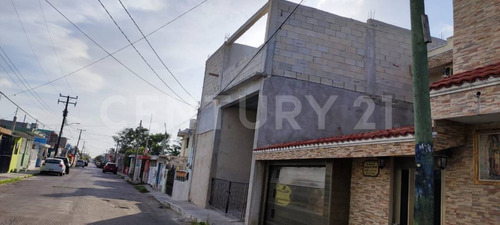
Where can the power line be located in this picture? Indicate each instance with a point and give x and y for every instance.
(120, 49)
(29, 43)
(25, 83)
(53, 47)
(10, 76)
(37, 120)
(139, 53)
(260, 49)
(103, 49)
(163, 63)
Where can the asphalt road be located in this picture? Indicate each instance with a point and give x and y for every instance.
(84, 196)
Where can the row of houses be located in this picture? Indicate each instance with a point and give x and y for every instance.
(315, 126)
(25, 146)
(165, 173)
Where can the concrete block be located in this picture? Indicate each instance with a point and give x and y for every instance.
(323, 23)
(326, 81)
(350, 61)
(360, 64)
(345, 30)
(294, 22)
(304, 51)
(302, 76)
(314, 79)
(298, 68)
(307, 25)
(312, 20)
(322, 48)
(320, 30)
(290, 74)
(340, 34)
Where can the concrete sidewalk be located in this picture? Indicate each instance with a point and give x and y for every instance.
(190, 210)
(21, 175)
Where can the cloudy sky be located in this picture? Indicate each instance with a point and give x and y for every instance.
(40, 45)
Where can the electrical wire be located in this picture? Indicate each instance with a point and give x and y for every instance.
(37, 120)
(260, 49)
(25, 83)
(53, 47)
(121, 63)
(29, 43)
(151, 46)
(120, 49)
(139, 53)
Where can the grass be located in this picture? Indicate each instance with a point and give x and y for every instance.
(141, 188)
(13, 180)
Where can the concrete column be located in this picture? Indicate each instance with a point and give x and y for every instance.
(255, 191)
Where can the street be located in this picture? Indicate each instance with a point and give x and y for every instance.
(85, 196)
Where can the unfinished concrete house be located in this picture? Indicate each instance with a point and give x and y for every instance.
(316, 75)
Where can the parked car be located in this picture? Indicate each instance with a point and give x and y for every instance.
(66, 163)
(110, 167)
(53, 165)
(80, 163)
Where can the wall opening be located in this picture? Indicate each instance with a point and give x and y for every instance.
(233, 158)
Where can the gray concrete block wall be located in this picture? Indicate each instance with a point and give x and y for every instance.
(211, 84)
(240, 71)
(324, 48)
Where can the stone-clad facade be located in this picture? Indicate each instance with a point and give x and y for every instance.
(476, 39)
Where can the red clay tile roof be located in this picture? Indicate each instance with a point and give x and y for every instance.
(481, 73)
(395, 132)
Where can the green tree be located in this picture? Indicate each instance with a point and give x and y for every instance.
(98, 158)
(129, 137)
(175, 150)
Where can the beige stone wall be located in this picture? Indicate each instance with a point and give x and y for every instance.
(353, 151)
(466, 202)
(449, 134)
(370, 196)
(465, 102)
(476, 34)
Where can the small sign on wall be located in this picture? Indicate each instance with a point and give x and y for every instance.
(370, 168)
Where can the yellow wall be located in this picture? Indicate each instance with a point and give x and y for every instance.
(15, 157)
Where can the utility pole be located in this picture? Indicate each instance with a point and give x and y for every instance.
(13, 128)
(65, 113)
(78, 142)
(164, 149)
(116, 150)
(136, 151)
(424, 174)
(83, 147)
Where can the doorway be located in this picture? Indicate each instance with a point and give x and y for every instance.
(404, 192)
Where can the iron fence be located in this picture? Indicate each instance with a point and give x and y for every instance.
(229, 197)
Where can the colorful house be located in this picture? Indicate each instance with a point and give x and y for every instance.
(6, 146)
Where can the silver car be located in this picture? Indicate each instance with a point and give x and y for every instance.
(80, 163)
(52, 165)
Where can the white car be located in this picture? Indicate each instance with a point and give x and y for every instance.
(52, 165)
(80, 163)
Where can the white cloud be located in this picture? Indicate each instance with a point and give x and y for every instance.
(5, 83)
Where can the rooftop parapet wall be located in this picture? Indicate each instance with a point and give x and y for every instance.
(320, 47)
